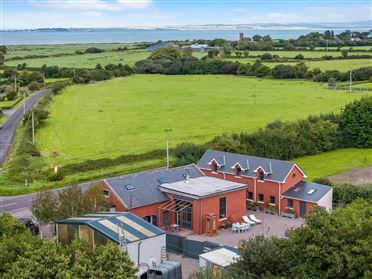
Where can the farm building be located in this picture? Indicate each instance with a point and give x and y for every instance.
(270, 183)
(144, 242)
(197, 47)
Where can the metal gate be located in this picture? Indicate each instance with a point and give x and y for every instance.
(187, 247)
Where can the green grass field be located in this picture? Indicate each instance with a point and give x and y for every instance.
(325, 65)
(130, 115)
(27, 50)
(334, 162)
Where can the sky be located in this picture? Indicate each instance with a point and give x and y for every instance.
(20, 14)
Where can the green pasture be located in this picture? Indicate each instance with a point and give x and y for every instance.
(27, 50)
(136, 114)
(327, 65)
(334, 162)
(85, 60)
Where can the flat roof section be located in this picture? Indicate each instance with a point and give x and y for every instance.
(200, 187)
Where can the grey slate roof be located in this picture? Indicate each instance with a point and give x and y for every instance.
(277, 170)
(301, 189)
(134, 227)
(146, 184)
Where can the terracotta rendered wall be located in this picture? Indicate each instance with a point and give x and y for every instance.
(235, 209)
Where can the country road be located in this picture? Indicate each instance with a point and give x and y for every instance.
(9, 128)
(20, 206)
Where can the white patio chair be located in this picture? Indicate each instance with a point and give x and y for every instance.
(246, 220)
(245, 227)
(234, 228)
(254, 219)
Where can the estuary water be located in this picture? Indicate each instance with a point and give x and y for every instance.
(133, 35)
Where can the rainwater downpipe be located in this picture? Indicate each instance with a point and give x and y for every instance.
(201, 217)
(139, 252)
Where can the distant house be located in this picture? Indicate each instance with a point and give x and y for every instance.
(144, 242)
(197, 47)
(160, 45)
(275, 183)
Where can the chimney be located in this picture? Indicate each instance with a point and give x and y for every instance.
(187, 178)
(271, 169)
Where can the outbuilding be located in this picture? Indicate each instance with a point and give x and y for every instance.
(144, 242)
(220, 257)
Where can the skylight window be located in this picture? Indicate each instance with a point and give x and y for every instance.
(312, 191)
(129, 187)
(162, 180)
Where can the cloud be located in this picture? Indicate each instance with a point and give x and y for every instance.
(92, 14)
(92, 4)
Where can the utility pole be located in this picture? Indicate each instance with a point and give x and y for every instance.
(15, 82)
(326, 47)
(33, 126)
(74, 73)
(167, 143)
(350, 80)
(24, 103)
(43, 79)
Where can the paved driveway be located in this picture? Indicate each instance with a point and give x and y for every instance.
(272, 225)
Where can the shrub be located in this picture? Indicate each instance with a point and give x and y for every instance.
(299, 57)
(34, 86)
(94, 50)
(356, 123)
(11, 95)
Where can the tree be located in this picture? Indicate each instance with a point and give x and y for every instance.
(356, 123)
(94, 200)
(109, 262)
(332, 83)
(238, 53)
(257, 38)
(245, 53)
(344, 53)
(300, 70)
(24, 256)
(166, 53)
(45, 207)
(266, 38)
(227, 51)
(299, 56)
(213, 53)
(282, 71)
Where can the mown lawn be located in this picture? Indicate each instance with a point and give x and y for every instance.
(135, 114)
(334, 162)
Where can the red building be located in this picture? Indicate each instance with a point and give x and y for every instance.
(274, 184)
(177, 197)
(221, 184)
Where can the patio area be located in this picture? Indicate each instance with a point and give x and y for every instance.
(272, 225)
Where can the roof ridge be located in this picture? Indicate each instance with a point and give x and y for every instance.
(240, 154)
(151, 171)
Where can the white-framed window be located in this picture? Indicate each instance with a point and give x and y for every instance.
(261, 175)
(106, 193)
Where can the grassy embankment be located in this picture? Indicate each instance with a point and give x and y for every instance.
(334, 162)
